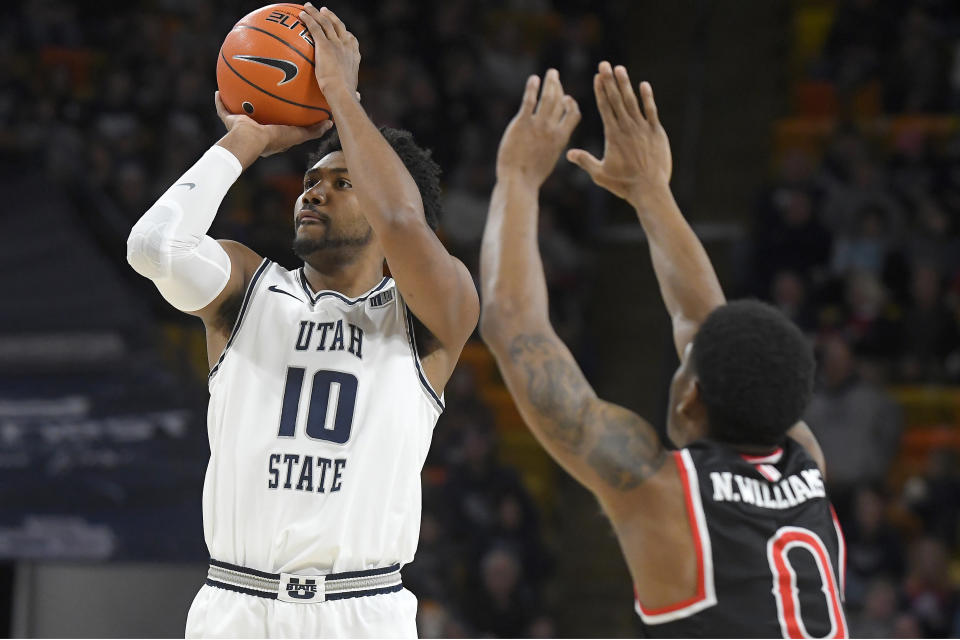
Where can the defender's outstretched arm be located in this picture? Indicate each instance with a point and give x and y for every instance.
(607, 448)
(636, 166)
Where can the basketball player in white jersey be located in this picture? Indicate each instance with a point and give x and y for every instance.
(326, 381)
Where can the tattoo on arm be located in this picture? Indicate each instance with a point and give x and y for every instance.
(556, 387)
(627, 450)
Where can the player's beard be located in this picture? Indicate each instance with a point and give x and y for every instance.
(304, 246)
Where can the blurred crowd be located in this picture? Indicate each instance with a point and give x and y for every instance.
(857, 239)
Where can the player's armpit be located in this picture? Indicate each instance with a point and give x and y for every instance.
(220, 315)
(607, 448)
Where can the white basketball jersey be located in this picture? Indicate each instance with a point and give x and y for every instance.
(320, 420)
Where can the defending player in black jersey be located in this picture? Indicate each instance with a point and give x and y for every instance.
(732, 535)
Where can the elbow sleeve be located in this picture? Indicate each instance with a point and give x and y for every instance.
(169, 244)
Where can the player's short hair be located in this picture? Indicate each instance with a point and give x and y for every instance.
(418, 161)
(755, 370)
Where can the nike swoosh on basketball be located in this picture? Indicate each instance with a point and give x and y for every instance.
(290, 70)
(276, 290)
(188, 185)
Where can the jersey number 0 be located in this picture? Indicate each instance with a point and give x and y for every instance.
(333, 397)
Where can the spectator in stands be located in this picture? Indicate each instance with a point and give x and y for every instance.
(907, 625)
(871, 320)
(929, 329)
(476, 486)
(856, 422)
(877, 618)
(915, 81)
(789, 294)
(932, 239)
(517, 528)
(861, 188)
(855, 45)
(865, 248)
(436, 620)
(788, 236)
(504, 605)
(934, 495)
(928, 592)
(874, 547)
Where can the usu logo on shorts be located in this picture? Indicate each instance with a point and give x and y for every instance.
(295, 588)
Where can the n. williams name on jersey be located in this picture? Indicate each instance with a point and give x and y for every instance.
(770, 553)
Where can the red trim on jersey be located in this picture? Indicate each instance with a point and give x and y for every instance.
(697, 545)
(770, 458)
(785, 581)
(841, 554)
(769, 472)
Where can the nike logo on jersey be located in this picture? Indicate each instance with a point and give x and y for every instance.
(290, 70)
(276, 290)
(188, 185)
(787, 493)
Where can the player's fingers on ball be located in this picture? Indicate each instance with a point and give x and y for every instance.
(311, 11)
(603, 103)
(312, 25)
(529, 102)
(338, 25)
(222, 111)
(327, 25)
(626, 92)
(649, 105)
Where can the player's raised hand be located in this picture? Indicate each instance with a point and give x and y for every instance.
(337, 59)
(636, 151)
(532, 143)
(265, 139)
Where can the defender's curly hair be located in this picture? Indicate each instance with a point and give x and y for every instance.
(418, 161)
(755, 370)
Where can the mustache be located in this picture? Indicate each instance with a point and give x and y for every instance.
(312, 212)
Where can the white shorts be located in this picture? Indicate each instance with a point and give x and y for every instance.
(220, 613)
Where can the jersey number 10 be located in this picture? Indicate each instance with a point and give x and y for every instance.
(333, 397)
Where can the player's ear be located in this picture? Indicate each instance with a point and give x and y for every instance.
(690, 405)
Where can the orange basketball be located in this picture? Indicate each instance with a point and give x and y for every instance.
(265, 69)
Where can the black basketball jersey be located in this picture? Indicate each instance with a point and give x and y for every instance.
(770, 553)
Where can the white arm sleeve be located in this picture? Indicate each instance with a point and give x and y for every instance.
(169, 244)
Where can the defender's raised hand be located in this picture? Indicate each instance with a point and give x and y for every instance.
(538, 133)
(636, 152)
(337, 50)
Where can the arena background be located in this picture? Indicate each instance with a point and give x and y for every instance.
(817, 154)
